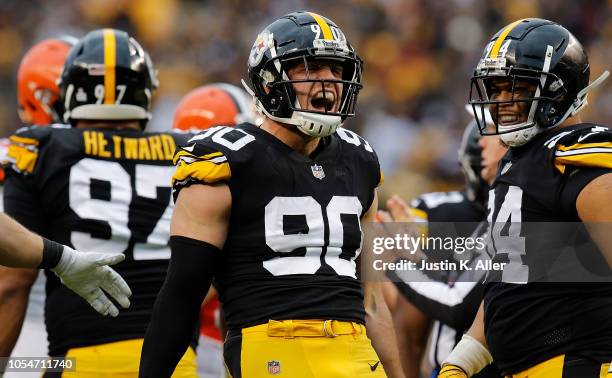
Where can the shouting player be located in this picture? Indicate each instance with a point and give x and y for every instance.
(534, 78)
(100, 184)
(273, 214)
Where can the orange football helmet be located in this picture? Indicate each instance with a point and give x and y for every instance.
(213, 105)
(37, 91)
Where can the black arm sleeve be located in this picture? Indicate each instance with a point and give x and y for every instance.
(176, 310)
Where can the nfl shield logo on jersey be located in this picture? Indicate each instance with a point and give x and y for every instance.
(273, 367)
(317, 171)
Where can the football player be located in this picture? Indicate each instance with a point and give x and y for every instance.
(534, 78)
(100, 184)
(38, 104)
(451, 305)
(218, 104)
(274, 214)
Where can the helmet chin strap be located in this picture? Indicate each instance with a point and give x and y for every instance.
(312, 124)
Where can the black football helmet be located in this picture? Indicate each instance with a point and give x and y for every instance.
(295, 38)
(540, 52)
(470, 161)
(107, 76)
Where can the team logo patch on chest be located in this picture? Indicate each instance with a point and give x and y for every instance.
(317, 171)
(273, 367)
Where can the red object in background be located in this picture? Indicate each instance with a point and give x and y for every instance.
(210, 319)
(218, 104)
(37, 89)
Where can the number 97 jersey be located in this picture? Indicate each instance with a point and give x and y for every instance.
(294, 231)
(98, 191)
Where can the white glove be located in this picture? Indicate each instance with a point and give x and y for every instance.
(88, 273)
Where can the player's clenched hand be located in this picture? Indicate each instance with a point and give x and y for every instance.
(87, 274)
(452, 371)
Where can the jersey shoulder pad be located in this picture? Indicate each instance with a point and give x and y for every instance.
(586, 146)
(362, 148)
(357, 143)
(24, 147)
(211, 156)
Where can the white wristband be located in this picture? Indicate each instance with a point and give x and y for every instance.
(470, 355)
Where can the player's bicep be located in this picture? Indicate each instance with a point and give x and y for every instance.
(202, 212)
(595, 210)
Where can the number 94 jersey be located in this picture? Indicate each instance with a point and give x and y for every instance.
(294, 231)
(533, 218)
(103, 191)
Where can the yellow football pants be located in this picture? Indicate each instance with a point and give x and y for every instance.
(120, 359)
(303, 349)
(559, 367)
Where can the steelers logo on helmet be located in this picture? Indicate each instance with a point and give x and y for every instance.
(107, 76)
(532, 76)
(263, 42)
(311, 40)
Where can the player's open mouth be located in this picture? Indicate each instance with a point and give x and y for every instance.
(323, 102)
(508, 119)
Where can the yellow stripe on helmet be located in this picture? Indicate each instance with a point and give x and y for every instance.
(110, 56)
(327, 33)
(502, 38)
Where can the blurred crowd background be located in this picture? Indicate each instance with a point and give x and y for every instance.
(419, 56)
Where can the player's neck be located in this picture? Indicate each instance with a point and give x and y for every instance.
(291, 136)
(123, 125)
(571, 121)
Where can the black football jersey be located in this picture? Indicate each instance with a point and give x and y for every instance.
(100, 191)
(294, 232)
(452, 206)
(436, 209)
(531, 206)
